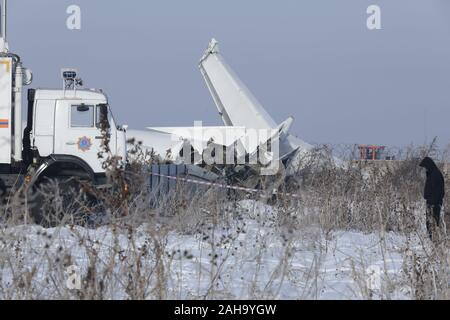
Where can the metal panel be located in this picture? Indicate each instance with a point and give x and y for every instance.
(173, 172)
(154, 179)
(161, 186)
(182, 169)
(164, 182)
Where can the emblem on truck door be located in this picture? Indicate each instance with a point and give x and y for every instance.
(84, 144)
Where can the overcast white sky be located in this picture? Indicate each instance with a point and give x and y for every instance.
(312, 59)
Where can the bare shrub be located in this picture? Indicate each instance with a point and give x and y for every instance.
(200, 242)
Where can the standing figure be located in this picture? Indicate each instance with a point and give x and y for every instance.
(434, 194)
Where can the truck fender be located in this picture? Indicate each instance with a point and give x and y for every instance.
(55, 159)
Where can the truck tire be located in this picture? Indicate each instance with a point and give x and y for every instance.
(3, 188)
(60, 200)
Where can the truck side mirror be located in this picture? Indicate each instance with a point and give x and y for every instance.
(82, 108)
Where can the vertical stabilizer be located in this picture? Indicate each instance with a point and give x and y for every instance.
(236, 104)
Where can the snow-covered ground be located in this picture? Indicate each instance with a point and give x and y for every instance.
(246, 259)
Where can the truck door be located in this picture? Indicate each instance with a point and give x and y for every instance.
(77, 132)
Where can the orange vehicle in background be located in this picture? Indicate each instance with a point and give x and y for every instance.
(370, 153)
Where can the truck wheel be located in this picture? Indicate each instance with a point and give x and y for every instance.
(56, 201)
(2, 188)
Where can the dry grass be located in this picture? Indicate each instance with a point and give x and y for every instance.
(125, 241)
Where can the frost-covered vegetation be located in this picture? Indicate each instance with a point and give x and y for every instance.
(355, 232)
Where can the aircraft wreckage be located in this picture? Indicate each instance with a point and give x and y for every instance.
(249, 144)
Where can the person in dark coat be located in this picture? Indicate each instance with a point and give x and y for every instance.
(433, 193)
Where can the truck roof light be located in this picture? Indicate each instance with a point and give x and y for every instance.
(71, 79)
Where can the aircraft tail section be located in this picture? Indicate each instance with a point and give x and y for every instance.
(236, 104)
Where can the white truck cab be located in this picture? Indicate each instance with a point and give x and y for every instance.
(69, 133)
(70, 123)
